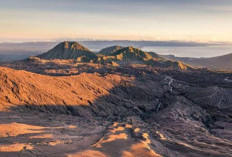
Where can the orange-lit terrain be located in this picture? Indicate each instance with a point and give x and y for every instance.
(122, 102)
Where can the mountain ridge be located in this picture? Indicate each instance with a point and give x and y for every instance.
(115, 55)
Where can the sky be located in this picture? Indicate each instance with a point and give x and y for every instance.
(182, 20)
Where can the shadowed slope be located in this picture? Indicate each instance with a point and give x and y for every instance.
(110, 50)
(155, 55)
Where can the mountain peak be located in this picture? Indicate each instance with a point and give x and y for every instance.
(131, 53)
(72, 45)
(131, 49)
(68, 50)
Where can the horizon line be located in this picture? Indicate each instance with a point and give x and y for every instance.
(116, 40)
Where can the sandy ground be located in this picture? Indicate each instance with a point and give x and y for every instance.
(41, 134)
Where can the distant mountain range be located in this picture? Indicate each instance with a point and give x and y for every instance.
(35, 48)
(223, 63)
(115, 55)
